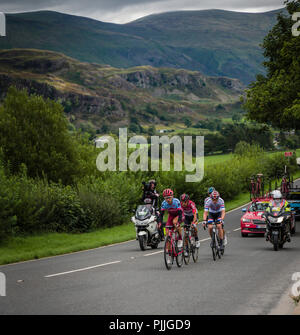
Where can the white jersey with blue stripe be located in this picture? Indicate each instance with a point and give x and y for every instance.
(212, 207)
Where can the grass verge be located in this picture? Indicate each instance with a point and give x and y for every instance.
(38, 246)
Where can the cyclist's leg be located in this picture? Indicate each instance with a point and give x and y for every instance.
(211, 218)
(176, 225)
(220, 228)
(169, 225)
(220, 231)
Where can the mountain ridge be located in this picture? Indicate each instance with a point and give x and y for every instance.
(217, 43)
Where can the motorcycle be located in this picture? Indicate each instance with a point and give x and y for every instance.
(146, 225)
(278, 226)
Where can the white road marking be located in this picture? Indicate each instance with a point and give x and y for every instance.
(83, 269)
(205, 239)
(235, 209)
(154, 253)
(237, 229)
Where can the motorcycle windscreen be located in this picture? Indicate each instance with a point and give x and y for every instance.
(143, 212)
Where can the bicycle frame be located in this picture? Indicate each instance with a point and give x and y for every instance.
(171, 233)
(189, 230)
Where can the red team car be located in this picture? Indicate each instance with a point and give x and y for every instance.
(251, 221)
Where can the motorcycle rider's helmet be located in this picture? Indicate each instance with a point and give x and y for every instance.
(168, 193)
(152, 181)
(184, 197)
(210, 190)
(277, 195)
(215, 195)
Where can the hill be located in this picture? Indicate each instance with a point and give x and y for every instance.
(215, 42)
(94, 93)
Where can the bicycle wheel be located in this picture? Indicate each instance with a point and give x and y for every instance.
(213, 248)
(186, 250)
(218, 252)
(179, 257)
(222, 251)
(168, 253)
(195, 252)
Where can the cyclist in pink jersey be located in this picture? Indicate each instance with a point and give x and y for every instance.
(190, 215)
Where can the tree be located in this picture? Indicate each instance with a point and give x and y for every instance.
(152, 130)
(34, 132)
(275, 98)
(187, 121)
(236, 117)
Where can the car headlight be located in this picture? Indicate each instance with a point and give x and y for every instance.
(247, 221)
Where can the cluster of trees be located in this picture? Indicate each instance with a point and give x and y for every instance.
(288, 141)
(274, 98)
(212, 124)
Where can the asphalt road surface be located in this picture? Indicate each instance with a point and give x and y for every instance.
(251, 278)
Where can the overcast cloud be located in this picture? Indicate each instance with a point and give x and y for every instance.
(122, 11)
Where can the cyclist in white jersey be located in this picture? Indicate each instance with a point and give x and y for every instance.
(214, 210)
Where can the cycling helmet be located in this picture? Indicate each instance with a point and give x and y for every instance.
(277, 194)
(184, 197)
(168, 192)
(210, 190)
(215, 195)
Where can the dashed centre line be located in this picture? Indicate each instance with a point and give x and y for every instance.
(82, 269)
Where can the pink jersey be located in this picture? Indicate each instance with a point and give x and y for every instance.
(190, 209)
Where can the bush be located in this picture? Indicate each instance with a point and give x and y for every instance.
(36, 205)
(35, 132)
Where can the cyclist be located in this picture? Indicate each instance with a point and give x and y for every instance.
(190, 215)
(209, 192)
(280, 203)
(214, 210)
(176, 216)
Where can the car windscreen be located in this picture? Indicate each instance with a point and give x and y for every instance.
(293, 196)
(258, 206)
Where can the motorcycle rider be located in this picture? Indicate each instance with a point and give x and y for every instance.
(279, 203)
(149, 192)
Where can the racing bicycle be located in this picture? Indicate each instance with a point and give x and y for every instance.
(215, 241)
(171, 249)
(189, 244)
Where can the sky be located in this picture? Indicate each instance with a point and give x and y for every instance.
(123, 11)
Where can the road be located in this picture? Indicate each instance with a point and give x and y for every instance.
(251, 278)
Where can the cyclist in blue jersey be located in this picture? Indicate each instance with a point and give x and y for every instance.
(176, 215)
(214, 210)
